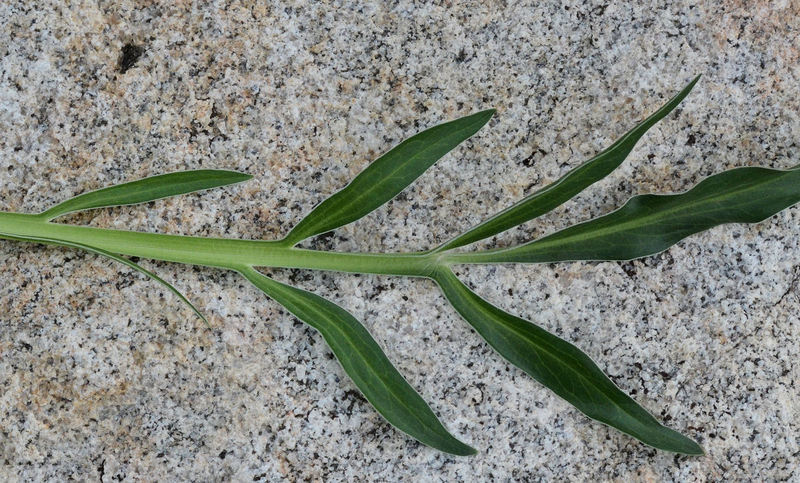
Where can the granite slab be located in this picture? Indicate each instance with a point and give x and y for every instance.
(105, 375)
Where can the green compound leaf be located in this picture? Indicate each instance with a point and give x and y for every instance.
(561, 367)
(569, 185)
(648, 224)
(112, 256)
(365, 363)
(387, 176)
(147, 189)
(645, 225)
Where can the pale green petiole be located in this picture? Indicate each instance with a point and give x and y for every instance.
(216, 252)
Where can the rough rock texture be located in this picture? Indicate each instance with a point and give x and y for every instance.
(106, 375)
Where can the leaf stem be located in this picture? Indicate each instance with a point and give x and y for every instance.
(217, 252)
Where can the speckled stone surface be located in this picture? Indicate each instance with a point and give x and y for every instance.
(105, 375)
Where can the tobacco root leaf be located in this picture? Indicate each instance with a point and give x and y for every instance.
(387, 176)
(147, 189)
(561, 367)
(569, 185)
(365, 363)
(648, 224)
(115, 257)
